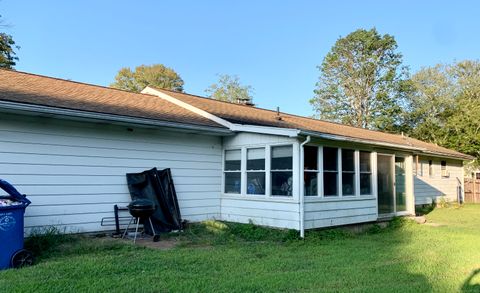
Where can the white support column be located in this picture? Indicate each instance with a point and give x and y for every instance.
(243, 168)
(320, 172)
(409, 182)
(268, 174)
(296, 172)
(357, 173)
(374, 179)
(339, 164)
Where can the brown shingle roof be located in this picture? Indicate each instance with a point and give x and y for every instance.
(242, 114)
(47, 91)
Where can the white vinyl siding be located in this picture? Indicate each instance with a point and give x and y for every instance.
(428, 189)
(262, 209)
(339, 211)
(75, 172)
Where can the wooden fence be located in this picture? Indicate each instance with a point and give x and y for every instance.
(472, 191)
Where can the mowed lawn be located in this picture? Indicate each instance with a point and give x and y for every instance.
(443, 256)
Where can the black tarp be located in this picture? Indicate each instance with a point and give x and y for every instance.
(158, 187)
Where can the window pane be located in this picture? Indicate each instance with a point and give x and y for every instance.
(365, 184)
(330, 161)
(232, 160)
(256, 183)
(232, 182)
(311, 183)
(348, 184)
(282, 157)
(310, 157)
(365, 165)
(256, 159)
(330, 184)
(282, 183)
(348, 160)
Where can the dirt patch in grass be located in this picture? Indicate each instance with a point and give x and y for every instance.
(163, 244)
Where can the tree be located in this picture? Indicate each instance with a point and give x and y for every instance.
(362, 82)
(7, 53)
(445, 106)
(229, 89)
(156, 75)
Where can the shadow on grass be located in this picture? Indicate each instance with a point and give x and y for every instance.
(468, 286)
(333, 260)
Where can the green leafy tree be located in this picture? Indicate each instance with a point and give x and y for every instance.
(8, 56)
(156, 75)
(362, 82)
(445, 106)
(229, 89)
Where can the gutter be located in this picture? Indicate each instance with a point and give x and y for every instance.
(363, 141)
(15, 107)
(442, 155)
(302, 189)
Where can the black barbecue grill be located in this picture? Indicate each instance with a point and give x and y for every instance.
(141, 210)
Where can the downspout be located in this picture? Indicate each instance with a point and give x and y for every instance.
(302, 189)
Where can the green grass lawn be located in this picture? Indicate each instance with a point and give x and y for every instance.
(406, 257)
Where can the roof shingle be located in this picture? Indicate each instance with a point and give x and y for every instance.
(242, 114)
(34, 89)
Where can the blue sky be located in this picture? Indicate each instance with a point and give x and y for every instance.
(273, 46)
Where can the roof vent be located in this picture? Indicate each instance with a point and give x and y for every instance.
(278, 117)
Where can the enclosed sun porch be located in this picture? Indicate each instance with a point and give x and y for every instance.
(306, 182)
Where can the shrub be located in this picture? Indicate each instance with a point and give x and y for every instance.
(43, 241)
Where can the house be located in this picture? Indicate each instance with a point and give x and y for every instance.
(68, 145)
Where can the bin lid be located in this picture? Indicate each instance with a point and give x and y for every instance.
(13, 192)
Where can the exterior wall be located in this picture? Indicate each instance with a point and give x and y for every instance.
(327, 212)
(428, 188)
(75, 172)
(274, 211)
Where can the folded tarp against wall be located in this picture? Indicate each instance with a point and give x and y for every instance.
(158, 187)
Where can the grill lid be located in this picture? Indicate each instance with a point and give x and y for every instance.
(142, 204)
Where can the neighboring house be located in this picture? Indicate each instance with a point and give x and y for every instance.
(68, 145)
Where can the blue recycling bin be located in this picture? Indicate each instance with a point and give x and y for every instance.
(12, 253)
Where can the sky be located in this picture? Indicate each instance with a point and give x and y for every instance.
(274, 46)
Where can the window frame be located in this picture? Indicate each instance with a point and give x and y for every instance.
(318, 171)
(268, 154)
(370, 155)
(270, 171)
(264, 171)
(354, 172)
(320, 174)
(231, 171)
(444, 170)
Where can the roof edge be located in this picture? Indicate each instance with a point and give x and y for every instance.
(352, 139)
(24, 107)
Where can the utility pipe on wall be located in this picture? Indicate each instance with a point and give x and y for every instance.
(302, 188)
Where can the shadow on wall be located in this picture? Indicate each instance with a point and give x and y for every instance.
(425, 193)
(468, 285)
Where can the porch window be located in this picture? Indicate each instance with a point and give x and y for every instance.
(310, 170)
(232, 171)
(256, 171)
(281, 170)
(330, 171)
(348, 172)
(365, 173)
(430, 168)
